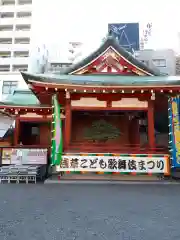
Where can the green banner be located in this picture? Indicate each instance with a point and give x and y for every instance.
(57, 140)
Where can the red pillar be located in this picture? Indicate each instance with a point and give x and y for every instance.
(16, 131)
(151, 132)
(67, 122)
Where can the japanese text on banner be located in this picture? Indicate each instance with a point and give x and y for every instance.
(113, 164)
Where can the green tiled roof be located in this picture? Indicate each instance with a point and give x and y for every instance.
(104, 80)
(21, 98)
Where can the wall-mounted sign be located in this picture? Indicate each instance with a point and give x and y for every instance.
(127, 35)
(115, 164)
(6, 156)
(20, 156)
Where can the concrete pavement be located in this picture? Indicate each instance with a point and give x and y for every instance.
(83, 212)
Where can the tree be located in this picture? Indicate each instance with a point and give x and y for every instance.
(101, 131)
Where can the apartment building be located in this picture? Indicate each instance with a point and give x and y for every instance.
(53, 58)
(163, 59)
(63, 58)
(15, 35)
(39, 56)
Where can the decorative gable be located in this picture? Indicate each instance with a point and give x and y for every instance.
(110, 61)
(111, 58)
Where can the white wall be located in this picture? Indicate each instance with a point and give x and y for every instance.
(167, 54)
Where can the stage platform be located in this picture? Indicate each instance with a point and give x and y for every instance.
(87, 177)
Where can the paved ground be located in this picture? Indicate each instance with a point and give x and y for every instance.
(55, 211)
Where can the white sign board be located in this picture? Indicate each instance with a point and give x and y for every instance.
(21, 156)
(114, 164)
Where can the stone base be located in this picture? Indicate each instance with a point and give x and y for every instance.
(105, 177)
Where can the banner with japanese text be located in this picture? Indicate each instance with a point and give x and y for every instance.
(174, 130)
(114, 164)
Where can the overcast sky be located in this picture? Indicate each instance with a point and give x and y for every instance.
(57, 22)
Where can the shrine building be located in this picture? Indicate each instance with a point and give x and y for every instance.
(110, 103)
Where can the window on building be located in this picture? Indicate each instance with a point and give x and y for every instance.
(55, 67)
(23, 14)
(6, 28)
(159, 62)
(22, 40)
(21, 54)
(23, 27)
(5, 40)
(7, 15)
(20, 68)
(23, 2)
(4, 54)
(8, 2)
(9, 87)
(146, 62)
(4, 68)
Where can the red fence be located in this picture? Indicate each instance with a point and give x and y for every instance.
(107, 148)
(10, 155)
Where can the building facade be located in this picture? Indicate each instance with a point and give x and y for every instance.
(39, 56)
(163, 60)
(104, 106)
(15, 38)
(178, 65)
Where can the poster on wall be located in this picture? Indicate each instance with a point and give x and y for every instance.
(115, 164)
(6, 156)
(20, 156)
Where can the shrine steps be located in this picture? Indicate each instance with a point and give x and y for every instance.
(98, 178)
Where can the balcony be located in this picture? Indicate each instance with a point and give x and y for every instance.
(20, 47)
(7, 8)
(23, 21)
(17, 8)
(5, 47)
(6, 31)
(21, 34)
(20, 60)
(6, 34)
(7, 21)
(5, 60)
(24, 8)
(14, 60)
